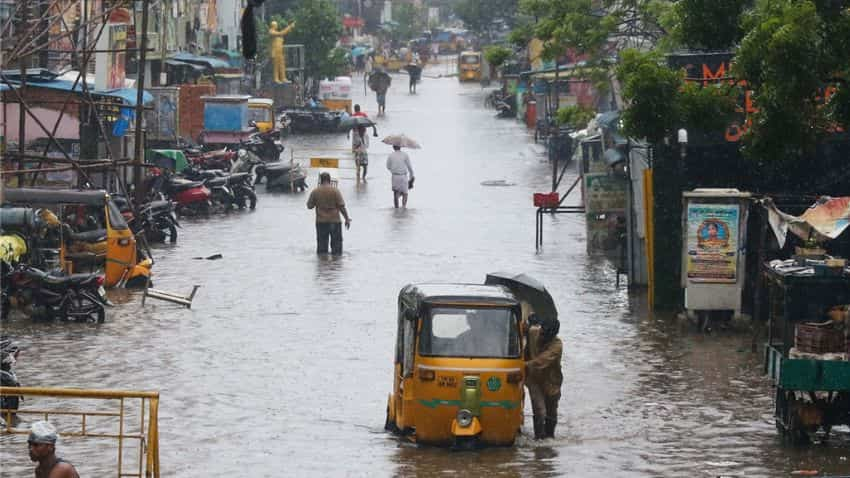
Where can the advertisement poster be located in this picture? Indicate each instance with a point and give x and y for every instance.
(161, 120)
(115, 70)
(712, 242)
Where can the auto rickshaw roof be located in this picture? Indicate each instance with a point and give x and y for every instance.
(458, 293)
(28, 196)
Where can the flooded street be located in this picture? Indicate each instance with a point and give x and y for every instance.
(284, 363)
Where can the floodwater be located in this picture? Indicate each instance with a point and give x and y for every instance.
(283, 365)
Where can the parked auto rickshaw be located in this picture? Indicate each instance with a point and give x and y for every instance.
(261, 112)
(458, 375)
(93, 232)
(469, 66)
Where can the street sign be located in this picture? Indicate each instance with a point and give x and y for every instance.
(324, 162)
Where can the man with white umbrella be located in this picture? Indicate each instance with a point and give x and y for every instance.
(398, 163)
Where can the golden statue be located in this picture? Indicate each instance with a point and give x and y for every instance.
(277, 51)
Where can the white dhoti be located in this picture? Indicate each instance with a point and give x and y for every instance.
(400, 183)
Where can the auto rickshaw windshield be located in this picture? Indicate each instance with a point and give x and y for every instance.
(470, 59)
(116, 219)
(457, 332)
(259, 114)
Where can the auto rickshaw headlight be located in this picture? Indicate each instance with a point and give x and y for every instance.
(464, 418)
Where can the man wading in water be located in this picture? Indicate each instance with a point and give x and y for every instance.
(42, 448)
(328, 202)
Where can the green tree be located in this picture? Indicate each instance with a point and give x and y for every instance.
(706, 24)
(661, 102)
(596, 28)
(793, 56)
(496, 55)
(479, 16)
(410, 21)
(318, 27)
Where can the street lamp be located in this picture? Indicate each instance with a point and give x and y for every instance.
(683, 142)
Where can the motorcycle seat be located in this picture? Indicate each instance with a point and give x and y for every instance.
(54, 278)
(97, 235)
(235, 177)
(184, 184)
(217, 181)
(277, 168)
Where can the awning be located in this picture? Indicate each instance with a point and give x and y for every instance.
(212, 62)
(128, 95)
(233, 57)
(183, 64)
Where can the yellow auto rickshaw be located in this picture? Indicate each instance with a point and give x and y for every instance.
(261, 112)
(459, 370)
(469, 66)
(93, 233)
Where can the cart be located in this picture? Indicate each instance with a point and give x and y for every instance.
(812, 389)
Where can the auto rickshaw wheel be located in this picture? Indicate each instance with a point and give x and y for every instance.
(465, 443)
(389, 424)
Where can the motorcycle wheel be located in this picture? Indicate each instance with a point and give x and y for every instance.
(172, 233)
(252, 199)
(83, 308)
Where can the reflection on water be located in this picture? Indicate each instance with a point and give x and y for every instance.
(285, 359)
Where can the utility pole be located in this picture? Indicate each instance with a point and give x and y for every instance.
(163, 34)
(557, 132)
(140, 107)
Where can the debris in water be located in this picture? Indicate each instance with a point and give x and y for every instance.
(209, 258)
(497, 182)
(805, 473)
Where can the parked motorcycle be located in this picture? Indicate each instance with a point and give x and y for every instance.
(265, 145)
(283, 175)
(217, 159)
(227, 189)
(9, 352)
(55, 295)
(505, 107)
(157, 219)
(192, 198)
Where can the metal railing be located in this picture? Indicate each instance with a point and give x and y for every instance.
(147, 434)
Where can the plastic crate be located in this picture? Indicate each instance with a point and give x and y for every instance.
(546, 199)
(819, 339)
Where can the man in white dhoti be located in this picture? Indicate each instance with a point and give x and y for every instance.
(398, 163)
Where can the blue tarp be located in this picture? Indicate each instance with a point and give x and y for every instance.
(126, 94)
(129, 95)
(214, 63)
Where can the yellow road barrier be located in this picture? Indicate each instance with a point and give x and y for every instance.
(147, 433)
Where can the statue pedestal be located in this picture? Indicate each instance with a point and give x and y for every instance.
(283, 95)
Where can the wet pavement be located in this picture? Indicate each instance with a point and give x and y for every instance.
(284, 363)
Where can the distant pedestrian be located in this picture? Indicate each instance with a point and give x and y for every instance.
(360, 148)
(329, 205)
(398, 163)
(42, 449)
(543, 376)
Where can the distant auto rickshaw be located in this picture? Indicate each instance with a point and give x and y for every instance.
(469, 66)
(459, 370)
(261, 112)
(93, 233)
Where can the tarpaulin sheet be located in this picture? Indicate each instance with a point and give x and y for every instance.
(824, 220)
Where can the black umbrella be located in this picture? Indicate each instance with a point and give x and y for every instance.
(527, 289)
(355, 121)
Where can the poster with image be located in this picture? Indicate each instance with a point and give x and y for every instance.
(712, 242)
